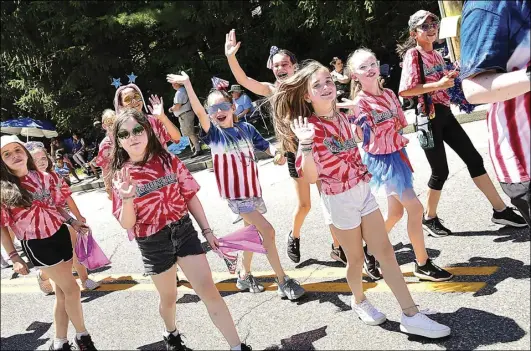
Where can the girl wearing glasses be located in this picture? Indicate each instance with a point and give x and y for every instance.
(32, 204)
(153, 195)
(423, 27)
(380, 119)
(236, 171)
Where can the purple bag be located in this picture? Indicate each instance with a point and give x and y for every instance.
(89, 253)
(244, 239)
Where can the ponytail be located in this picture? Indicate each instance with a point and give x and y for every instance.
(401, 49)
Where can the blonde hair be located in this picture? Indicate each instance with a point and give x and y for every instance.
(288, 103)
(108, 117)
(214, 94)
(355, 86)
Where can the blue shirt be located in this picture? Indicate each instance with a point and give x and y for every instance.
(228, 139)
(242, 103)
(494, 36)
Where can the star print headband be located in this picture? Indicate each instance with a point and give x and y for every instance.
(117, 83)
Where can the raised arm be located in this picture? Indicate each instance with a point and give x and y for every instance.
(231, 48)
(198, 108)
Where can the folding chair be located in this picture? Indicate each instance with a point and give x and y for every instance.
(256, 115)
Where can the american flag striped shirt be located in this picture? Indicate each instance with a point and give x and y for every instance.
(234, 162)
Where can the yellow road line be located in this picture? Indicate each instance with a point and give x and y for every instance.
(446, 287)
(325, 273)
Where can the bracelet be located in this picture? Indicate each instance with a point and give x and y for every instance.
(13, 254)
(207, 231)
(69, 221)
(306, 150)
(128, 197)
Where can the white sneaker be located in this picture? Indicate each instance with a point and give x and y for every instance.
(421, 325)
(90, 284)
(368, 313)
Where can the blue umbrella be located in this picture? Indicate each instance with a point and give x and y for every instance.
(29, 127)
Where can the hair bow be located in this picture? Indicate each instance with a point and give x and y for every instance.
(272, 52)
(33, 145)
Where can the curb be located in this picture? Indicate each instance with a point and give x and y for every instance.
(202, 165)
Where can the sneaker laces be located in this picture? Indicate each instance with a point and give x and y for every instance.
(85, 343)
(291, 284)
(292, 242)
(252, 280)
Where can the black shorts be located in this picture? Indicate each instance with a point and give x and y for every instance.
(291, 165)
(50, 251)
(161, 250)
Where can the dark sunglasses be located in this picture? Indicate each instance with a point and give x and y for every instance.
(136, 131)
(224, 106)
(129, 99)
(427, 26)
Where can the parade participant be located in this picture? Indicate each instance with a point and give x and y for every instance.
(423, 27)
(44, 164)
(501, 77)
(326, 150)
(380, 120)
(232, 146)
(153, 194)
(27, 194)
(283, 64)
(105, 148)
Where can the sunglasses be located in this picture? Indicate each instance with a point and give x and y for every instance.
(427, 26)
(32, 145)
(129, 99)
(224, 106)
(125, 134)
(365, 68)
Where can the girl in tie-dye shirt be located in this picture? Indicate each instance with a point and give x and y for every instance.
(236, 171)
(153, 194)
(327, 151)
(379, 121)
(32, 204)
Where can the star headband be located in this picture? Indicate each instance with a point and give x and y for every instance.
(117, 83)
(272, 52)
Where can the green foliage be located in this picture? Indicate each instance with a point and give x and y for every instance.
(58, 58)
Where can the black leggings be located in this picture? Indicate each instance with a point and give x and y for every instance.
(446, 129)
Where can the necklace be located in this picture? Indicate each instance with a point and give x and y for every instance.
(337, 138)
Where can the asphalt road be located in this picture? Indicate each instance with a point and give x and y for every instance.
(487, 305)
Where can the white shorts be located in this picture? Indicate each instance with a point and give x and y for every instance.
(344, 211)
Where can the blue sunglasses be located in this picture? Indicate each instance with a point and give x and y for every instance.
(224, 106)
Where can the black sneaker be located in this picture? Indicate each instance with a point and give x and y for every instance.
(85, 343)
(338, 254)
(294, 248)
(245, 347)
(508, 217)
(175, 343)
(432, 272)
(369, 265)
(66, 347)
(435, 228)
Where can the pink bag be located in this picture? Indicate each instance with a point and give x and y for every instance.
(89, 253)
(244, 239)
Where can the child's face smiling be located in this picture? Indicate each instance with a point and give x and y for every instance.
(222, 117)
(321, 89)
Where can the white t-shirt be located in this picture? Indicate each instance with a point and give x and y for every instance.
(181, 97)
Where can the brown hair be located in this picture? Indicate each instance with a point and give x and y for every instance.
(409, 43)
(11, 190)
(288, 103)
(355, 86)
(153, 148)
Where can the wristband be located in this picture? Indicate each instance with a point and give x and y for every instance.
(13, 254)
(69, 221)
(128, 197)
(206, 231)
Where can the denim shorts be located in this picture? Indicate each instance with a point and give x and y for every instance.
(161, 250)
(247, 205)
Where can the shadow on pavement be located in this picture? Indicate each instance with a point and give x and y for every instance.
(155, 346)
(312, 261)
(302, 341)
(405, 254)
(27, 341)
(504, 234)
(507, 268)
(471, 328)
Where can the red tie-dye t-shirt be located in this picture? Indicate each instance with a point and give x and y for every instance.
(163, 190)
(434, 69)
(385, 117)
(336, 155)
(42, 219)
